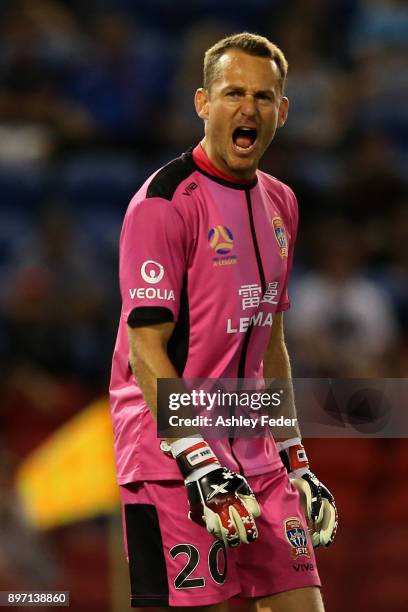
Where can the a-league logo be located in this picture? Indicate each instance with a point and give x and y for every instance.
(221, 239)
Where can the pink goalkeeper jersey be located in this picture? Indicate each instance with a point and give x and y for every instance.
(214, 257)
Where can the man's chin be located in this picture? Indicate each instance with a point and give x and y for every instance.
(244, 168)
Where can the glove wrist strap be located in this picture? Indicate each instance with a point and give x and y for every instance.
(181, 445)
(293, 456)
(192, 454)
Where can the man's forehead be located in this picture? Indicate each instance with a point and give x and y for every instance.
(242, 68)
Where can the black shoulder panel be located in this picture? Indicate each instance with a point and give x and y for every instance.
(166, 181)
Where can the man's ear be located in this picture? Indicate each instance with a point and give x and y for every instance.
(283, 111)
(201, 102)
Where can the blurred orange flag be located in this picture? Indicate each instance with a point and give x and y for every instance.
(71, 476)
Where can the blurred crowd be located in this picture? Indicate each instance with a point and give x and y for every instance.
(94, 96)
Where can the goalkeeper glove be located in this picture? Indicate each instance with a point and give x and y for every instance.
(318, 502)
(219, 499)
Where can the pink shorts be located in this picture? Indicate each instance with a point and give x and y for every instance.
(174, 562)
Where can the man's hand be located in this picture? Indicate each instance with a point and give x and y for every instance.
(219, 499)
(318, 502)
(319, 507)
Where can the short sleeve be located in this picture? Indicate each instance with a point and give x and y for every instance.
(291, 227)
(152, 262)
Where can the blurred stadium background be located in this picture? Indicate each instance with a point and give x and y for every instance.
(94, 96)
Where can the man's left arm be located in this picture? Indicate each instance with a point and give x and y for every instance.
(318, 502)
(276, 364)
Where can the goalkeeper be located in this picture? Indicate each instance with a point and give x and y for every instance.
(206, 252)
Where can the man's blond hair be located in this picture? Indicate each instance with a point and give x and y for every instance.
(253, 44)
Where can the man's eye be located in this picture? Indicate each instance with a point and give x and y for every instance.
(233, 94)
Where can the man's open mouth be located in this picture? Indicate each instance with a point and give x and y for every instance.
(244, 138)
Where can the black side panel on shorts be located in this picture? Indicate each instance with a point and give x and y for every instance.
(147, 565)
(166, 181)
(177, 348)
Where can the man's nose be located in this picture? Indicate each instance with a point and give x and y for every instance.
(248, 106)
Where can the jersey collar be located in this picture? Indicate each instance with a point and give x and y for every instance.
(204, 165)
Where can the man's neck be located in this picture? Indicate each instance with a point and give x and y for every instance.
(203, 160)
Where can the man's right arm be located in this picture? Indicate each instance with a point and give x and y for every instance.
(149, 360)
(220, 500)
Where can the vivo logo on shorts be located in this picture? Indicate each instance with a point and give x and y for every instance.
(151, 293)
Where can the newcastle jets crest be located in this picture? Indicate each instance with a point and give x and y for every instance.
(280, 235)
(296, 536)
